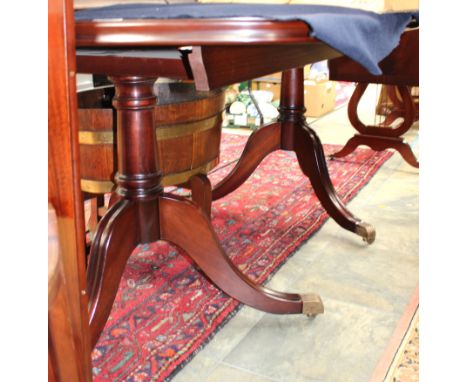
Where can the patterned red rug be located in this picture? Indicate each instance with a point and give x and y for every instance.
(166, 310)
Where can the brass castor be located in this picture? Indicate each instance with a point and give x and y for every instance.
(366, 231)
(312, 304)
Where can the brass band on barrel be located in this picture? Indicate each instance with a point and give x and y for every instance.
(86, 137)
(96, 186)
(200, 119)
(182, 130)
(184, 176)
(103, 186)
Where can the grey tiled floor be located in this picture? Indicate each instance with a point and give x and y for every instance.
(364, 288)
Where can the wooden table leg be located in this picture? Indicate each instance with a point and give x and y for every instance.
(381, 137)
(184, 224)
(133, 217)
(141, 214)
(115, 240)
(261, 142)
(292, 133)
(298, 136)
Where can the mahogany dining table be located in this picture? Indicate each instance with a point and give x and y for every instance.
(213, 52)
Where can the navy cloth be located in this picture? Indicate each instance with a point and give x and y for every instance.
(366, 37)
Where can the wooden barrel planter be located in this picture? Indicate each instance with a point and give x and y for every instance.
(187, 127)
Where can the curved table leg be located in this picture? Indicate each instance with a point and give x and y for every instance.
(260, 143)
(311, 158)
(406, 152)
(352, 144)
(178, 219)
(115, 239)
(379, 144)
(298, 136)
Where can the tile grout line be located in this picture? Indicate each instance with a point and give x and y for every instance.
(247, 371)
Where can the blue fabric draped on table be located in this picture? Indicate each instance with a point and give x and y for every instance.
(366, 37)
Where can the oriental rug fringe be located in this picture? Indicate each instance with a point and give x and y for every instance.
(166, 310)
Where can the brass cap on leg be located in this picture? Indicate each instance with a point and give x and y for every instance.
(311, 304)
(366, 231)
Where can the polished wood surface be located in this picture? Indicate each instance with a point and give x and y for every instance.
(142, 214)
(183, 118)
(204, 248)
(209, 52)
(400, 72)
(408, 117)
(133, 219)
(69, 361)
(115, 64)
(392, 105)
(261, 142)
(201, 189)
(186, 32)
(62, 352)
(401, 67)
(382, 136)
(212, 66)
(216, 53)
(291, 132)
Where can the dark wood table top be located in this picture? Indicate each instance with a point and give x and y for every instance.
(213, 52)
(181, 32)
(366, 37)
(218, 47)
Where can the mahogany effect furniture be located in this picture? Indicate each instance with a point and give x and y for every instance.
(401, 71)
(63, 364)
(69, 342)
(214, 53)
(183, 118)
